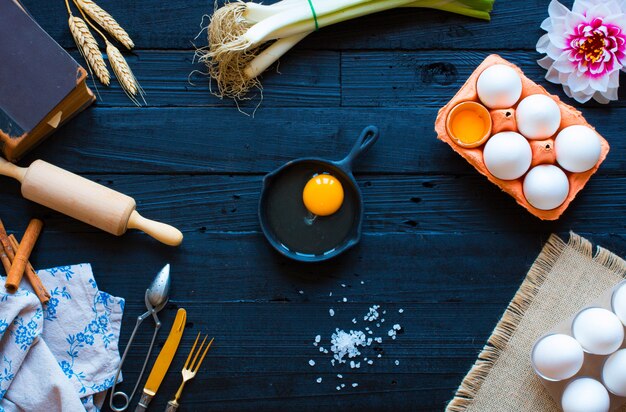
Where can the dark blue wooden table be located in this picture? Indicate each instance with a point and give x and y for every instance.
(440, 242)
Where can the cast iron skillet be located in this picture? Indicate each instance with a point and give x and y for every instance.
(282, 213)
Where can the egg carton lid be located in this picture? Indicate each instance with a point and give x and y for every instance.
(569, 117)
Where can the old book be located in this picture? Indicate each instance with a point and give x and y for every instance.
(41, 85)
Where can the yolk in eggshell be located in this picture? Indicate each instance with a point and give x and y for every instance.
(323, 195)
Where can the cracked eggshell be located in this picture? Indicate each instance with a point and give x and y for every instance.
(538, 116)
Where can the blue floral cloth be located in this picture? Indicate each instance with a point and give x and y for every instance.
(61, 357)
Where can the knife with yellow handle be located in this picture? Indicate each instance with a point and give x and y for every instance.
(163, 361)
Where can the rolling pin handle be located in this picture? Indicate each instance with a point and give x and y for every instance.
(166, 234)
(10, 170)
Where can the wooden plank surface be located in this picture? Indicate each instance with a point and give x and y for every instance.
(440, 242)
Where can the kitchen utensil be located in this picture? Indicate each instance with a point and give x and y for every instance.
(85, 200)
(284, 218)
(163, 361)
(156, 298)
(189, 371)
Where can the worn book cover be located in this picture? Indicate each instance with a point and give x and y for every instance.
(41, 85)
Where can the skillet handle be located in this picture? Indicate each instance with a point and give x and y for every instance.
(368, 137)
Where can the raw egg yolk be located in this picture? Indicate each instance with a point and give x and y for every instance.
(323, 195)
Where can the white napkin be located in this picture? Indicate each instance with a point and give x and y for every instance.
(62, 357)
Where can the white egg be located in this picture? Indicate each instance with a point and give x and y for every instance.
(619, 303)
(557, 357)
(507, 155)
(614, 373)
(585, 395)
(546, 187)
(577, 148)
(499, 87)
(598, 331)
(538, 116)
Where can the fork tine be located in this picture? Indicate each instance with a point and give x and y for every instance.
(193, 362)
(203, 354)
(191, 351)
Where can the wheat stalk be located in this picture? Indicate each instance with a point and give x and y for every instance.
(88, 47)
(124, 74)
(106, 21)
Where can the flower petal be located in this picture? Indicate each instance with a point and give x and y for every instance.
(600, 83)
(542, 44)
(563, 64)
(556, 9)
(577, 82)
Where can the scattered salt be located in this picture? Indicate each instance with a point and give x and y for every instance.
(370, 362)
(330, 294)
(354, 320)
(312, 362)
(340, 376)
(346, 343)
(380, 356)
(343, 285)
(338, 388)
(343, 385)
(331, 312)
(397, 362)
(354, 385)
(321, 349)
(352, 364)
(362, 283)
(301, 292)
(318, 338)
(372, 314)
(345, 299)
(400, 310)
(319, 380)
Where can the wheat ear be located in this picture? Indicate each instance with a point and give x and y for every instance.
(88, 47)
(106, 21)
(124, 74)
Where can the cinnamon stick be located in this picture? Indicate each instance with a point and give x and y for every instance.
(20, 261)
(6, 246)
(6, 262)
(32, 277)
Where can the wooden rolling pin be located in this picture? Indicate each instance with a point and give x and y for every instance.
(85, 200)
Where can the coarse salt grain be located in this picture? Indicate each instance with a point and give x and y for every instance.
(400, 310)
(312, 362)
(338, 388)
(354, 320)
(354, 385)
(301, 292)
(331, 312)
(397, 362)
(343, 285)
(319, 380)
(345, 299)
(318, 338)
(372, 314)
(340, 376)
(346, 344)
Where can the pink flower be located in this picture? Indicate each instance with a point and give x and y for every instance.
(585, 48)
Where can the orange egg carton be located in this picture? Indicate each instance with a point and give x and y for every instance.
(504, 120)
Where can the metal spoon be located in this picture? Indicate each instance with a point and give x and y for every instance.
(156, 298)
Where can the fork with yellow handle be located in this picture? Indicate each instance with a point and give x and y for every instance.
(189, 371)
